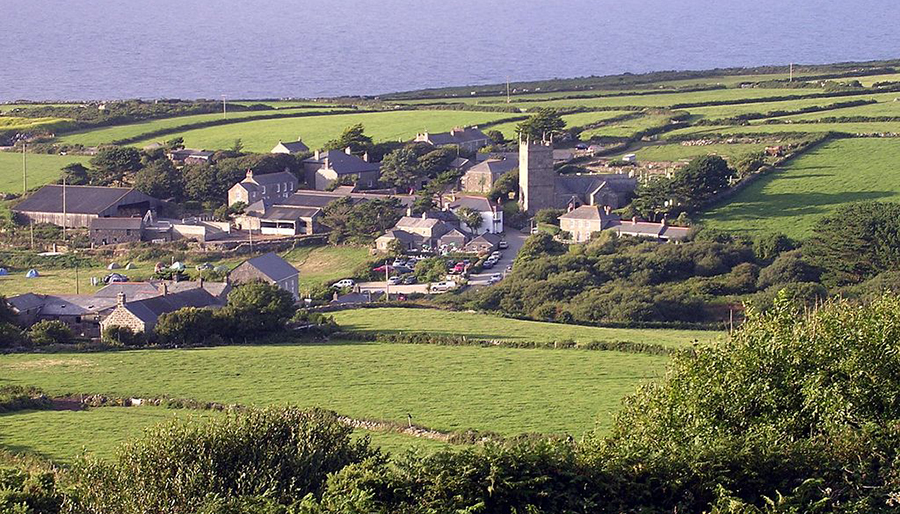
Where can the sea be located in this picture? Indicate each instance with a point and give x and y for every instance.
(247, 49)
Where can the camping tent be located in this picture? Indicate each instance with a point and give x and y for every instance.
(177, 266)
(32, 273)
(113, 265)
(3, 272)
(129, 266)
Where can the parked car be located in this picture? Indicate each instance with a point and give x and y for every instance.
(114, 277)
(459, 268)
(535, 230)
(497, 254)
(440, 287)
(410, 279)
(488, 264)
(341, 284)
(503, 245)
(509, 268)
(393, 281)
(403, 269)
(205, 267)
(581, 146)
(496, 277)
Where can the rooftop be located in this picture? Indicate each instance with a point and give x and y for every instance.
(342, 163)
(79, 199)
(273, 266)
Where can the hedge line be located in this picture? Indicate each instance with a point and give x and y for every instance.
(15, 398)
(425, 338)
(736, 120)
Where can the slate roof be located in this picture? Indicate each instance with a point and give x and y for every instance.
(184, 153)
(79, 199)
(294, 146)
(456, 136)
(402, 235)
(496, 167)
(289, 213)
(25, 302)
(417, 222)
(478, 203)
(275, 178)
(273, 266)
(312, 199)
(343, 163)
(117, 223)
(132, 290)
(585, 212)
(75, 305)
(150, 309)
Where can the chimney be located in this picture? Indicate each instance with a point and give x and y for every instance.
(366, 156)
(607, 209)
(120, 299)
(409, 211)
(326, 162)
(334, 297)
(663, 221)
(249, 174)
(317, 155)
(424, 215)
(634, 220)
(165, 288)
(200, 282)
(347, 151)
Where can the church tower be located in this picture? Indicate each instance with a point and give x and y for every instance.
(537, 180)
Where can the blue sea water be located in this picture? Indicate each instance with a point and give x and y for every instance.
(105, 49)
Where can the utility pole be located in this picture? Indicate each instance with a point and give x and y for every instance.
(65, 220)
(224, 110)
(31, 224)
(77, 290)
(387, 282)
(507, 89)
(24, 169)
(791, 79)
(251, 239)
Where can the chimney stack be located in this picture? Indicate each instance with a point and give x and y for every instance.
(409, 211)
(366, 157)
(317, 155)
(607, 209)
(634, 220)
(424, 215)
(663, 222)
(165, 288)
(347, 151)
(249, 174)
(120, 299)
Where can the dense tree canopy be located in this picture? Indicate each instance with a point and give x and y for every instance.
(354, 137)
(545, 124)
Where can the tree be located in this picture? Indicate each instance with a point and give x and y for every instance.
(111, 164)
(11, 336)
(653, 197)
(160, 179)
(437, 161)
(503, 186)
(257, 308)
(47, 332)
(186, 326)
(543, 125)
(76, 174)
(496, 136)
(701, 179)
(432, 269)
(353, 136)
(123, 336)
(549, 216)
(360, 223)
(858, 241)
(401, 168)
(470, 217)
(238, 146)
(174, 144)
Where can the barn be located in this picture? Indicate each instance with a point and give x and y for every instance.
(76, 206)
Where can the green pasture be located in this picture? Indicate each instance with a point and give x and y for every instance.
(317, 264)
(94, 137)
(677, 151)
(792, 199)
(628, 128)
(509, 391)
(261, 136)
(486, 326)
(19, 123)
(64, 435)
(787, 128)
(572, 120)
(4, 108)
(727, 111)
(287, 104)
(886, 106)
(42, 169)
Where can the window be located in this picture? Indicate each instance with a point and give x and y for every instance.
(264, 190)
(127, 231)
(277, 188)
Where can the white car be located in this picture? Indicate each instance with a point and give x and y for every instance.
(503, 245)
(440, 287)
(496, 277)
(341, 284)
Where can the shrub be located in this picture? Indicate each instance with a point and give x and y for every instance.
(186, 326)
(29, 492)
(280, 454)
(123, 336)
(47, 332)
(11, 336)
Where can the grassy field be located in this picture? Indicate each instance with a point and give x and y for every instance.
(668, 99)
(18, 123)
(505, 390)
(62, 436)
(485, 326)
(787, 128)
(103, 135)
(791, 200)
(572, 120)
(317, 264)
(677, 151)
(629, 127)
(261, 136)
(42, 169)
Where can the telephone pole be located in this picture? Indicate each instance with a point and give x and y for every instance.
(224, 109)
(24, 169)
(507, 89)
(64, 220)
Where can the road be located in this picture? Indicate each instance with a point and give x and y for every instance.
(515, 239)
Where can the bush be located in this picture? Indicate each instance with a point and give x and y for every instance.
(123, 336)
(29, 492)
(280, 454)
(185, 327)
(14, 398)
(11, 336)
(47, 332)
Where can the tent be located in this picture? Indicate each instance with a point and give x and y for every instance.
(3, 272)
(159, 267)
(32, 273)
(177, 266)
(130, 265)
(113, 265)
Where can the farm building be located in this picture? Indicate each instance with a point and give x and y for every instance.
(469, 139)
(76, 206)
(81, 313)
(481, 177)
(141, 315)
(290, 147)
(584, 221)
(110, 231)
(270, 186)
(324, 168)
(269, 268)
(190, 156)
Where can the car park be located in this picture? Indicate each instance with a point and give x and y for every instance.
(341, 284)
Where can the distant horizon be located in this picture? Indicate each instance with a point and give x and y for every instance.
(105, 49)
